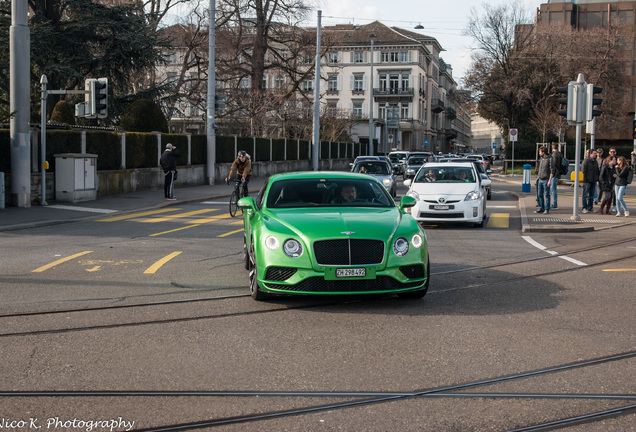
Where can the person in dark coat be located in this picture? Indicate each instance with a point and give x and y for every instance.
(168, 163)
(591, 174)
(606, 182)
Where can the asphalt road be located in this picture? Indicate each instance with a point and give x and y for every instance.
(501, 305)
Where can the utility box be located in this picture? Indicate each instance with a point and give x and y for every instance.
(75, 177)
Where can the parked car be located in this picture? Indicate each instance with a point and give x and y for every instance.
(381, 170)
(302, 237)
(486, 182)
(448, 192)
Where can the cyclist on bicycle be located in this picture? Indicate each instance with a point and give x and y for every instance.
(242, 166)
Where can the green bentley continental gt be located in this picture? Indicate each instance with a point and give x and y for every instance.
(332, 233)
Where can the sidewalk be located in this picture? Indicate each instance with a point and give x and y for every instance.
(561, 219)
(15, 218)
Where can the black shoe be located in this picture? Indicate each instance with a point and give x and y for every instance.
(538, 211)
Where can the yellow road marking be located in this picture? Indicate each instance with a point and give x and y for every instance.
(215, 218)
(60, 261)
(230, 233)
(199, 222)
(136, 215)
(156, 266)
(173, 230)
(238, 222)
(612, 270)
(177, 216)
(499, 220)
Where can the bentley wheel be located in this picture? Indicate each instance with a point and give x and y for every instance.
(255, 292)
(246, 255)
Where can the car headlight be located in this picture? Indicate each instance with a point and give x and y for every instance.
(413, 194)
(410, 171)
(471, 196)
(272, 243)
(292, 248)
(401, 246)
(416, 241)
(387, 182)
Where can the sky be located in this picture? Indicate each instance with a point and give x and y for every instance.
(445, 20)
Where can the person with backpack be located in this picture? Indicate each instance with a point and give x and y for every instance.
(557, 158)
(545, 174)
(606, 183)
(623, 175)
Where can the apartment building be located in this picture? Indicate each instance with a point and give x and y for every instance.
(591, 13)
(407, 88)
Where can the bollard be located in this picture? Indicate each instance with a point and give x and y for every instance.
(525, 185)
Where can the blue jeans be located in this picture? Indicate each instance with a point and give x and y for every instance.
(553, 191)
(619, 191)
(544, 194)
(588, 195)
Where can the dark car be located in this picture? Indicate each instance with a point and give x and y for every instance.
(413, 165)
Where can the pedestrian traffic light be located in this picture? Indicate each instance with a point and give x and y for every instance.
(592, 101)
(99, 89)
(220, 101)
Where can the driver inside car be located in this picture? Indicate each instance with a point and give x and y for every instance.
(348, 193)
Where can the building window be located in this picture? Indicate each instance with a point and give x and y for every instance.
(382, 81)
(405, 56)
(332, 84)
(279, 81)
(404, 111)
(358, 82)
(244, 83)
(358, 57)
(625, 17)
(382, 111)
(308, 85)
(357, 109)
(405, 81)
(395, 56)
(332, 57)
(394, 81)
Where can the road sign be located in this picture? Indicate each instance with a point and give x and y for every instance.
(513, 134)
(494, 146)
(390, 138)
(425, 142)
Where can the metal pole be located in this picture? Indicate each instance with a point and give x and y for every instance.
(371, 103)
(577, 163)
(315, 146)
(210, 132)
(43, 81)
(19, 105)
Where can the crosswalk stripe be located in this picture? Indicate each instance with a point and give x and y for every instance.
(136, 215)
(499, 220)
(178, 216)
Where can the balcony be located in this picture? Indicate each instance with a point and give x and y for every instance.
(451, 113)
(450, 134)
(437, 105)
(406, 91)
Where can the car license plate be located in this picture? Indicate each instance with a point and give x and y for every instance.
(441, 207)
(351, 272)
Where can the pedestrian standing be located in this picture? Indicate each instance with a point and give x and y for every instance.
(545, 174)
(557, 158)
(168, 163)
(633, 159)
(606, 182)
(612, 153)
(621, 173)
(590, 178)
(598, 193)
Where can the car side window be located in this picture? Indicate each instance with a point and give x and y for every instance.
(261, 193)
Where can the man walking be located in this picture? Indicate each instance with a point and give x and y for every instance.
(598, 193)
(557, 158)
(545, 176)
(168, 163)
(591, 174)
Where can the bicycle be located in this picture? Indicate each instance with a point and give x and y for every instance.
(237, 194)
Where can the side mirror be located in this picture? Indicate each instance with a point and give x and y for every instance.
(408, 182)
(247, 203)
(407, 201)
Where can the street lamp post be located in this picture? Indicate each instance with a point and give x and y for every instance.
(371, 101)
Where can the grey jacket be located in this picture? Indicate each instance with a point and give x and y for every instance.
(546, 167)
(590, 170)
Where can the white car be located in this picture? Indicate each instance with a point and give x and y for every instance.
(448, 192)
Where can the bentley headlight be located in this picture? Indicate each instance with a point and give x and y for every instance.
(272, 243)
(401, 246)
(416, 241)
(471, 196)
(292, 248)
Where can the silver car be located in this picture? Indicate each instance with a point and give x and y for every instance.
(381, 170)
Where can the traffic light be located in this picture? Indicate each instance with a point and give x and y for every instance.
(634, 129)
(99, 90)
(565, 98)
(96, 105)
(592, 101)
(574, 101)
(220, 101)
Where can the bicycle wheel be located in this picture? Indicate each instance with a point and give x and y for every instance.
(233, 203)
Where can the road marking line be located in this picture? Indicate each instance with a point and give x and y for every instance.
(543, 248)
(84, 209)
(214, 218)
(498, 220)
(231, 232)
(177, 216)
(618, 270)
(173, 230)
(156, 266)
(60, 261)
(135, 215)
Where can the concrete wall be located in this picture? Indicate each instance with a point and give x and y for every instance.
(131, 180)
